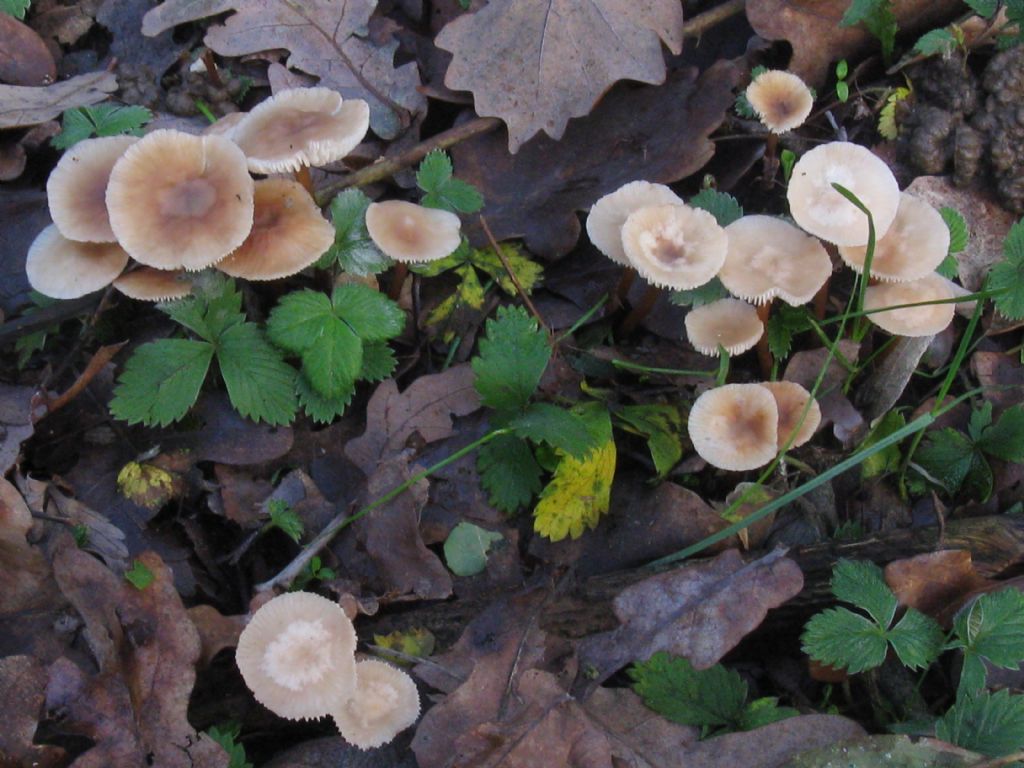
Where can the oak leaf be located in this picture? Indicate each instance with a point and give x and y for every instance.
(22, 105)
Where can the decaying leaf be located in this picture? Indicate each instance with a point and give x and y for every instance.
(24, 57)
(935, 583)
(657, 134)
(537, 63)
(23, 105)
(15, 422)
(699, 612)
(882, 750)
(323, 38)
(216, 631)
(22, 692)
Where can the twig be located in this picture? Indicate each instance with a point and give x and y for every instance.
(702, 22)
(45, 317)
(512, 275)
(102, 356)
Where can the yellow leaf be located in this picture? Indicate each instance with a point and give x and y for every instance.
(469, 293)
(417, 641)
(887, 119)
(147, 485)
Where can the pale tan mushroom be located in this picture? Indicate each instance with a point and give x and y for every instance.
(385, 703)
(180, 201)
(77, 188)
(781, 99)
(674, 246)
(821, 210)
(914, 246)
(300, 127)
(609, 213)
(288, 233)
(769, 257)
(66, 269)
(735, 426)
(925, 320)
(225, 126)
(729, 323)
(297, 655)
(791, 399)
(412, 233)
(148, 284)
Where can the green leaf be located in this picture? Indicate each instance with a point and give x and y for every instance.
(353, 248)
(161, 381)
(1007, 275)
(713, 290)
(661, 426)
(260, 384)
(371, 314)
(509, 473)
(724, 207)
(435, 171)
(1005, 438)
(378, 362)
(843, 91)
(984, 8)
(283, 517)
(844, 639)
(742, 106)
(82, 123)
(465, 549)
(334, 361)
(887, 117)
(787, 159)
(992, 628)
(785, 323)
(980, 420)
(917, 639)
(862, 583)
(959, 234)
(320, 409)
(512, 359)
(15, 8)
(887, 460)
(939, 41)
(226, 736)
(878, 18)
(297, 321)
(951, 459)
(670, 686)
(216, 306)
(949, 267)
(139, 575)
(990, 723)
(558, 427)
(434, 177)
(468, 295)
(527, 271)
(762, 712)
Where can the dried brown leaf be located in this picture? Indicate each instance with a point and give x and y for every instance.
(216, 631)
(24, 57)
(537, 63)
(1002, 375)
(15, 421)
(23, 105)
(22, 692)
(884, 750)
(936, 583)
(322, 36)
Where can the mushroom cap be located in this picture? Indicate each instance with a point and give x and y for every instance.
(791, 399)
(735, 426)
(288, 233)
(821, 210)
(180, 201)
(301, 126)
(409, 232)
(731, 323)
(297, 655)
(66, 269)
(385, 703)
(608, 214)
(148, 284)
(769, 257)
(674, 246)
(225, 126)
(77, 189)
(781, 99)
(914, 246)
(911, 321)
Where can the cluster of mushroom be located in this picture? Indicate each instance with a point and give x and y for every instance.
(297, 655)
(176, 203)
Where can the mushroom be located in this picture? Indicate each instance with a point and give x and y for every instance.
(781, 100)
(925, 320)
(818, 208)
(288, 233)
(77, 189)
(148, 284)
(914, 246)
(67, 269)
(735, 426)
(728, 323)
(180, 201)
(385, 703)
(297, 655)
(791, 399)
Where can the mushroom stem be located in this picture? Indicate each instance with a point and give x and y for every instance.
(639, 313)
(770, 161)
(211, 69)
(764, 354)
(618, 296)
(305, 178)
(397, 279)
(821, 300)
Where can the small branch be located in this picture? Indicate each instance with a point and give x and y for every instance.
(103, 356)
(702, 22)
(512, 275)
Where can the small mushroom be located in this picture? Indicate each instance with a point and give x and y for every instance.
(818, 208)
(674, 246)
(412, 233)
(385, 703)
(288, 233)
(925, 320)
(781, 100)
(791, 399)
(735, 426)
(914, 246)
(67, 269)
(148, 284)
(77, 188)
(729, 323)
(609, 213)
(180, 201)
(297, 655)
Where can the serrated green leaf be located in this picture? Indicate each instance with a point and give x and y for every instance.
(952, 461)
(509, 473)
(713, 290)
(15, 8)
(937, 41)
(353, 248)
(371, 314)
(260, 384)
(320, 409)
(298, 320)
(82, 123)
(887, 460)
(1007, 275)
(704, 698)
(844, 639)
(215, 307)
(992, 627)
(862, 583)
(917, 639)
(284, 518)
(378, 362)
(959, 234)
(724, 207)
(762, 712)
(161, 381)
(335, 359)
(434, 268)
(558, 427)
(742, 106)
(226, 736)
(785, 323)
(527, 271)
(878, 18)
(434, 171)
(887, 117)
(139, 575)
(661, 426)
(512, 359)
(980, 420)
(434, 177)
(949, 267)
(990, 723)
(465, 549)
(984, 8)
(1005, 438)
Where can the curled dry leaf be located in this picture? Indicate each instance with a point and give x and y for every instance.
(936, 583)
(24, 57)
(216, 631)
(23, 105)
(537, 63)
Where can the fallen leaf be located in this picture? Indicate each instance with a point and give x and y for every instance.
(1001, 375)
(700, 612)
(425, 409)
(62, 21)
(22, 692)
(936, 583)
(879, 751)
(657, 134)
(812, 28)
(154, 54)
(22, 105)
(15, 423)
(12, 160)
(23, 215)
(228, 438)
(335, 751)
(322, 38)
(537, 63)
(216, 631)
(836, 408)
(24, 57)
